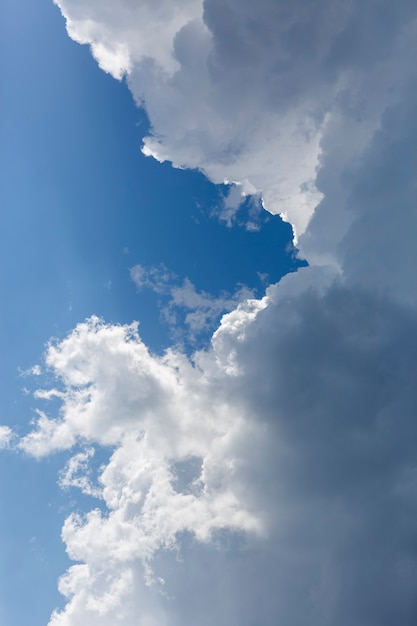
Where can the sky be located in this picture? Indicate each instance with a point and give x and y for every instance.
(209, 337)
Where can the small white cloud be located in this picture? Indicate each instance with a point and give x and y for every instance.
(182, 305)
(158, 279)
(233, 200)
(36, 370)
(6, 436)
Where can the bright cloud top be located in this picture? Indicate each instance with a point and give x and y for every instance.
(255, 92)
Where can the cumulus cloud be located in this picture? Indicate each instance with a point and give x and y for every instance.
(281, 461)
(6, 435)
(270, 478)
(255, 93)
(171, 470)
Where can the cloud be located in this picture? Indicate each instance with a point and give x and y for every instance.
(270, 478)
(158, 420)
(239, 197)
(281, 461)
(6, 436)
(32, 371)
(255, 94)
(182, 305)
(78, 473)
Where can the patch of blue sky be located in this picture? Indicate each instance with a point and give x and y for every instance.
(32, 556)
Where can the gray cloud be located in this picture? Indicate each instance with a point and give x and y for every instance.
(257, 93)
(335, 475)
(298, 428)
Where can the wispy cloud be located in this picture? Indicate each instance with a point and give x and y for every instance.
(6, 436)
(182, 305)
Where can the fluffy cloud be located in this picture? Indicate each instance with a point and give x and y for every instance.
(280, 462)
(254, 93)
(6, 435)
(270, 478)
(170, 471)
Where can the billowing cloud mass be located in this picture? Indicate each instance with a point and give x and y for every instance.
(261, 93)
(270, 478)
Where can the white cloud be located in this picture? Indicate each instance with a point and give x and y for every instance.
(6, 436)
(112, 31)
(182, 305)
(284, 453)
(236, 197)
(154, 412)
(253, 93)
(31, 371)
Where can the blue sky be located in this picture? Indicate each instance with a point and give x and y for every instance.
(209, 469)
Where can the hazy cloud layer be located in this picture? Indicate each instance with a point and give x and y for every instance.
(273, 477)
